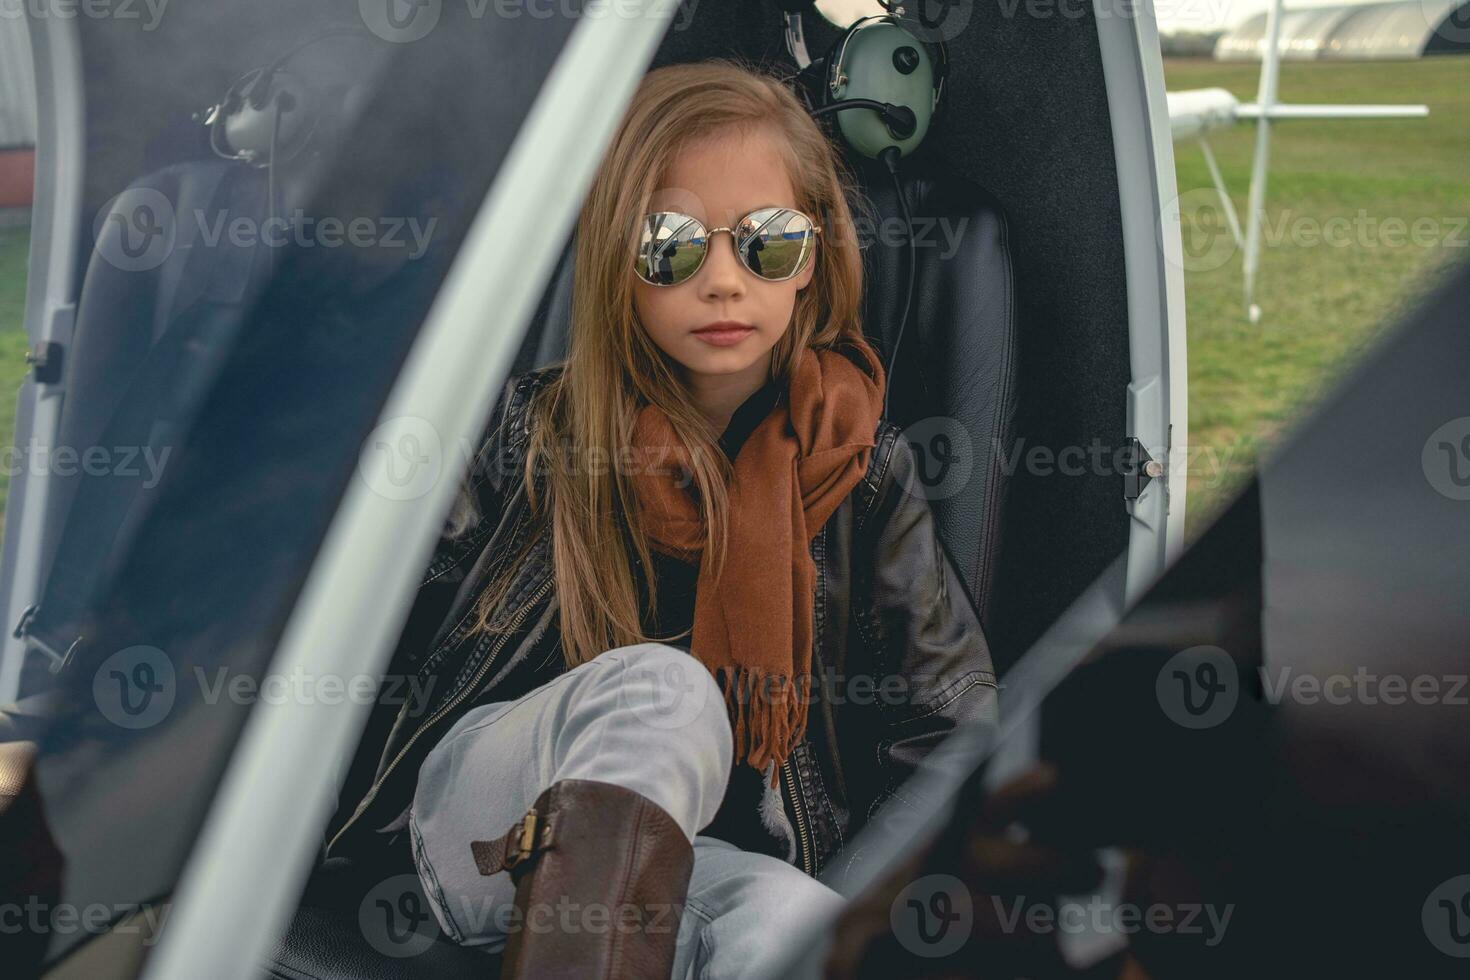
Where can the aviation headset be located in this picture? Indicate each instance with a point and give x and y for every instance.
(268, 115)
(893, 81)
(879, 64)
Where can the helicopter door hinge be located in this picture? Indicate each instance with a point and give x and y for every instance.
(45, 362)
(22, 631)
(1139, 470)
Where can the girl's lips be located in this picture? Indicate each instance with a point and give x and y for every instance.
(725, 338)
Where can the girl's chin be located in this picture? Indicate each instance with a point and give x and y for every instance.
(720, 361)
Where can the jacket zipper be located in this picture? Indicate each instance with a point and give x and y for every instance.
(455, 702)
(803, 837)
(803, 845)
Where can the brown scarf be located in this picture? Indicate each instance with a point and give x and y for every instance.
(753, 626)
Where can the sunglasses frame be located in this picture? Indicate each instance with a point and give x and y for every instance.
(710, 233)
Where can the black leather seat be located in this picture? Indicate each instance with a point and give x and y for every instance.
(368, 925)
(327, 943)
(957, 361)
(150, 326)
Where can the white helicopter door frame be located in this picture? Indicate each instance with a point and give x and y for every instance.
(1158, 395)
(52, 289)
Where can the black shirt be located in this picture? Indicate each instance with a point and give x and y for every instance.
(738, 820)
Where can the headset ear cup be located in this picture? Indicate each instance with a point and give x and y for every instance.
(284, 118)
(268, 105)
(866, 70)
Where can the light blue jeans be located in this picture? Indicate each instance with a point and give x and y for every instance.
(647, 717)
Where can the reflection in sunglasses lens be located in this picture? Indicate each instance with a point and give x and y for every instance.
(773, 243)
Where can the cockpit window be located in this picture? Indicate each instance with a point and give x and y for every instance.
(277, 195)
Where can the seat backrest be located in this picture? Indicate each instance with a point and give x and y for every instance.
(149, 327)
(954, 384)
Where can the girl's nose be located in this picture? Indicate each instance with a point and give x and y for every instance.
(722, 275)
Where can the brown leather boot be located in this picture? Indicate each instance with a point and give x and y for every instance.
(601, 876)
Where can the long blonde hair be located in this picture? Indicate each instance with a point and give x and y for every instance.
(613, 367)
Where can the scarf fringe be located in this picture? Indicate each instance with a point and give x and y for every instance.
(767, 713)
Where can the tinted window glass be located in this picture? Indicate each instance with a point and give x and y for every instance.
(239, 329)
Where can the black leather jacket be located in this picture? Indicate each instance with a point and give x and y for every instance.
(898, 648)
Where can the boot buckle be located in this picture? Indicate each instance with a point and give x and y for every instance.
(516, 846)
(522, 843)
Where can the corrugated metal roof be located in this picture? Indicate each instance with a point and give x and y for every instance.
(17, 83)
(1400, 29)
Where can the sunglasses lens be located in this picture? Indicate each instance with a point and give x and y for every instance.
(774, 243)
(671, 248)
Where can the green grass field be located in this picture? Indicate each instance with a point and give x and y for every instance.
(13, 245)
(1324, 303)
(1325, 296)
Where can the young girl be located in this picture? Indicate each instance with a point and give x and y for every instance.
(695, 626)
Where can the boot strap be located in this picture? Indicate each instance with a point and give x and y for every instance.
(526, 838)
